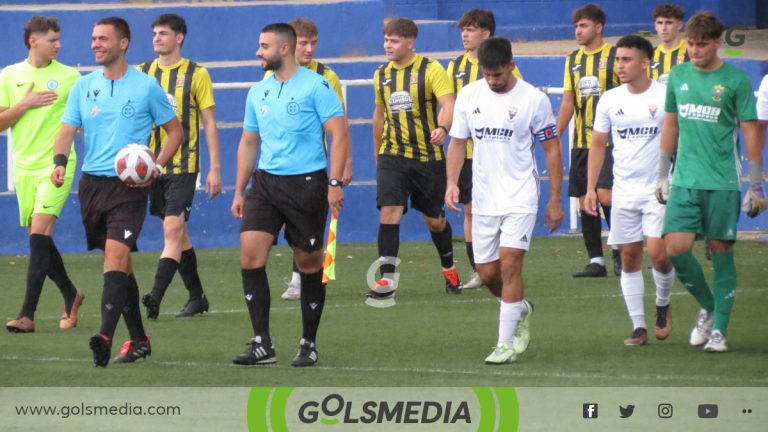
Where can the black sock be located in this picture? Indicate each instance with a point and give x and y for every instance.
(312, 303)
(39, 261)
(444, 243)
(471, 255)
(295, 266)
(389, 246)
(257, 298)
(58, 275)
(607, 214)
(590, 230)
(132, 312)
(188, 271)
(113, 300)
(166, 268)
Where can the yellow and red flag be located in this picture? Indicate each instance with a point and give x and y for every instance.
(329, 266)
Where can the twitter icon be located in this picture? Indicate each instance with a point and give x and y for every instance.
(626, 412)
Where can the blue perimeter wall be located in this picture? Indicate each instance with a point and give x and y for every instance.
(211, 224)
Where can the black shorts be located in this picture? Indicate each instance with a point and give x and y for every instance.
(111, 210)
(172, 195)
(397, 178)
(577, 177)
(298, 201)
(465, 182)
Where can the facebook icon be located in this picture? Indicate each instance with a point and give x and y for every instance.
(589, 410)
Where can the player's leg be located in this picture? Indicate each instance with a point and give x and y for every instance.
(721, 212)
(591, 226)
(198, 301)
(627, 234)
(428, 182)
(682, 223)
(605, 197)
(662, 270)
(465, 197)
(392, 201)
(293, 289)
(259, 227)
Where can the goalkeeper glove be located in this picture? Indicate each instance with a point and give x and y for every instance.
(662, 177)
(754, 200)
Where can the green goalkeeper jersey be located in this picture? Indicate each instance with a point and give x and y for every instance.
(709, 106)
(35, 131)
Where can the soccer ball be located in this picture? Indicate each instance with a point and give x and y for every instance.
(135, 164)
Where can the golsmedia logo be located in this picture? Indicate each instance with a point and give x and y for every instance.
(403, 409)
(334, 409)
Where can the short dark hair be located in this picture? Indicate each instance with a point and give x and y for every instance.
(304, 27)
(480, 18)
(589, 11)
(668, 10)
(173, 21)
(636, 42)
(402, 27)
(495, 52)
(283, 31)
(40, 24)
(704, 25)
(120, 25)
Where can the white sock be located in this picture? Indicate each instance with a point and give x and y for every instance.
(296, 279)
(632, 287)
(664, 282)
(509, 316)
(598, 260)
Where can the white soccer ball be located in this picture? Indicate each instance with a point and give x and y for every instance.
(135, 164)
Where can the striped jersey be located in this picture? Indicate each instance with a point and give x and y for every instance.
(464, 70)
(189, 89)
(588, 74)
(409, 96)
(663, 60)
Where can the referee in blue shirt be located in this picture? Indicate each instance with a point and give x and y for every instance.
(285, 117)
(115, 106)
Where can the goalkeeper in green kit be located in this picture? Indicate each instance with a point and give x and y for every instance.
(706, 99)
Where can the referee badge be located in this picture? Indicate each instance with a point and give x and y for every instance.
(717, 92)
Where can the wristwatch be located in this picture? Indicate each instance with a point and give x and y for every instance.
(334, 182)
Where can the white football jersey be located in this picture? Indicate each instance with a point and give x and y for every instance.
(503, 128)
(762, 100)
(634, 121)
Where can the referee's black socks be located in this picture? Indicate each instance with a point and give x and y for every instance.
(257, 298)
(444, 243)
(312, 303)
(132, 312)
(591, 226)
(113, 299)
(389, 246)
(188, 272)
(166, 268)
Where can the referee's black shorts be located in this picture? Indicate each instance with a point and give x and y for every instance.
(172, 195)
(298, 201)
(398, 178)
(577, 175)
(111, 210)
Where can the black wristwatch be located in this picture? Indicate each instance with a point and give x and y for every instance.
(334, 182)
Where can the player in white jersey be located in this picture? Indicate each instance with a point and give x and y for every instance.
(504, 115)
(633, 114)
(762, 109)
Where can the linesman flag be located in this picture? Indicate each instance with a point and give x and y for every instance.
(329, 266)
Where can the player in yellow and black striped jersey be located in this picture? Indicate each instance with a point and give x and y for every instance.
(306, 45)
(589, 72)
(476, 25)
(673, 49)
(408, 134)
(190, 91)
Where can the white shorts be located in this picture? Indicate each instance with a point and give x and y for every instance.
(631, 222)
(514, 230)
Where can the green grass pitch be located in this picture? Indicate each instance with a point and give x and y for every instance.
(428, 339)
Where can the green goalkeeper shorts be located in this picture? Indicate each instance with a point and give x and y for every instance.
(36, 194)
(711, 214)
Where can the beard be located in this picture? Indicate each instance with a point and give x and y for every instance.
(272, 64)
